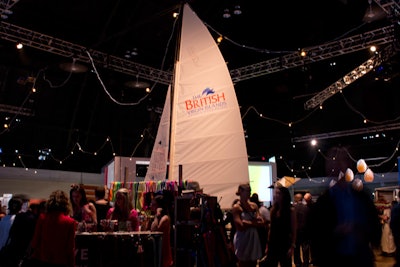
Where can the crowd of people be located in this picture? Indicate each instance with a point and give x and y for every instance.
(341, 228)
(43, 234)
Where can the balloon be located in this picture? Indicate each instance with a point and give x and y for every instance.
(369, 176)
(349, 175)
(357, 184)
(361, 166)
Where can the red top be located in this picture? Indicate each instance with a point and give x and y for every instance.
(54, 239)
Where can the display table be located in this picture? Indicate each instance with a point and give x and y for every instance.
(121, 249)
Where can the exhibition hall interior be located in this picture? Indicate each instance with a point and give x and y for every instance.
(83, 93)
(91, 80)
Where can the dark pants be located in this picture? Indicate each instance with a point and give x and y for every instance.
(302, 246)
(397, 252)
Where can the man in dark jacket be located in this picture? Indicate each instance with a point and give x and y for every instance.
(345, 226)
(21, 234)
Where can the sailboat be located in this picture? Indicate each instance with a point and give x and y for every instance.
(201, 133)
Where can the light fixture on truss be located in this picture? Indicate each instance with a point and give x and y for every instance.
(347, 79)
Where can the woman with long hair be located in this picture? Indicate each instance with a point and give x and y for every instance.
(162, 223)
(82, 209)
(282, 231)
(123, 211)
(53, 242)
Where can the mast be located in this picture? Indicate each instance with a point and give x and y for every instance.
(175, 79)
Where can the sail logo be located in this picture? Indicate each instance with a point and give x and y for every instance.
(208, 91)
(207, 101)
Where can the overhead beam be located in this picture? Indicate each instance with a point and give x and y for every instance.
(381, 36)
(378, 37)
(63, 48)
(16, 110)
(368, 130)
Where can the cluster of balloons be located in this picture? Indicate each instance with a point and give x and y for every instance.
(362, 168)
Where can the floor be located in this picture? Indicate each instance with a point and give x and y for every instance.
(381, 261)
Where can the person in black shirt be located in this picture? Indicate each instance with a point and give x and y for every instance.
(102, 206)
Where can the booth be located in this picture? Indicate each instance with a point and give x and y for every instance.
(122, 249)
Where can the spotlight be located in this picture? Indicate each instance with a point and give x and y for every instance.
(19, 45)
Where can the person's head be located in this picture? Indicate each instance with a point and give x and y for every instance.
(281, 196)
(14, 205)
(100, 192)
(298, 197)
(244, 191)
(77, 195)
(254, 198)
(58, 202)
(308, 198)
(123, 200)
(158, 202)
(25, 201)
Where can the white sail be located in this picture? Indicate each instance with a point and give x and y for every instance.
(207, 137)
(157, 169)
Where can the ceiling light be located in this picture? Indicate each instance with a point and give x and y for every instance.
(137, 84)
(131, 53)
(237, 10)
(226, 14)
(73, 67)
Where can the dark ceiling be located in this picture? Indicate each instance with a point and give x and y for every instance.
(85, 117)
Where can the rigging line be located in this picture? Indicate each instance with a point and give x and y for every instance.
(166, 51)
(141, 141)
(277, 120)
(105, 88)
(267, 51)
(363, 116)
(152, 87)
(350, 31)
(50, 83)
(261, 50)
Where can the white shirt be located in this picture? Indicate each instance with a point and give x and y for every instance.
(264, 211)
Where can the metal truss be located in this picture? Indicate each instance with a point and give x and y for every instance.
(390, 7)
(63, 48)
(325, 51)
(368, 130)
(378, 37)
(350, 77)
(16, 110)
(6, 8)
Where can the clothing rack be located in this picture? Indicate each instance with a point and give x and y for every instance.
(140, 188)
